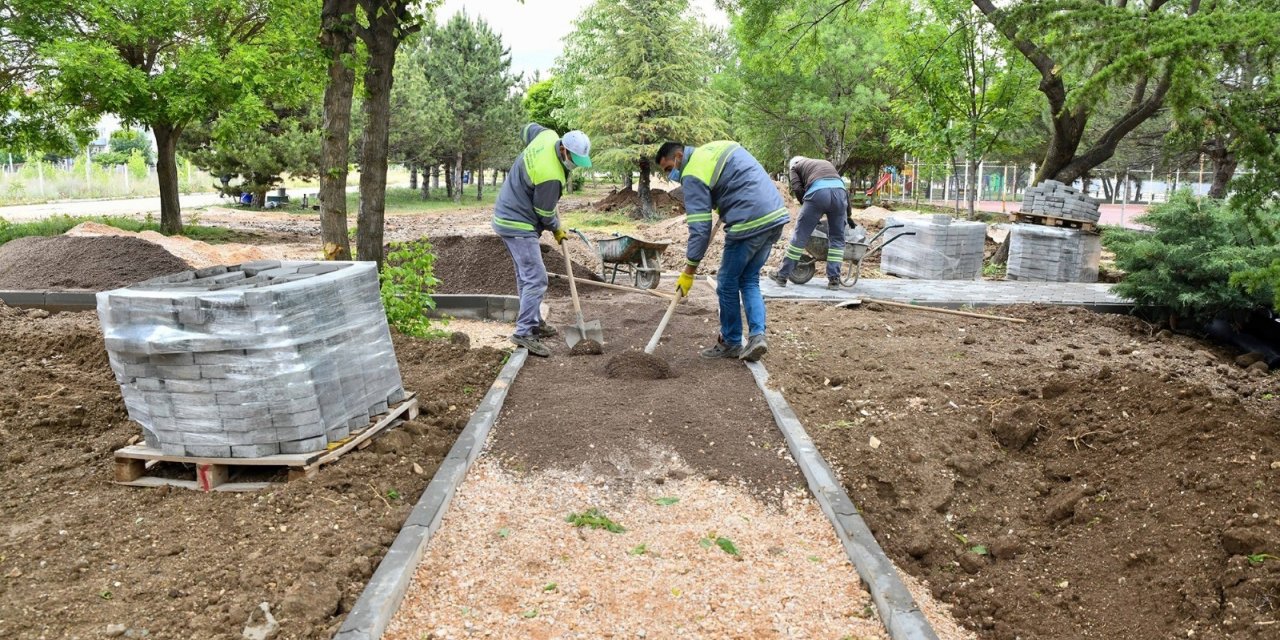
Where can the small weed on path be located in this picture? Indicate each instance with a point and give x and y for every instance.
(594, 519)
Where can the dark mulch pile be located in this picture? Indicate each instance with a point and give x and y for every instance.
(481, 264)
(96, 264)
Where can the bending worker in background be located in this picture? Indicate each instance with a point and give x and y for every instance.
(525, 208)
(724, 177)
(822, 193)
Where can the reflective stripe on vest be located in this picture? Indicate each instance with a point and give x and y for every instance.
(708, 161)
(768, 218)
(540, 159)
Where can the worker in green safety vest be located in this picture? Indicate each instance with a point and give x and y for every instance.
(723, 177)
(525, 208)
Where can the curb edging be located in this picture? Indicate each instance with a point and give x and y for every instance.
(383, 593)
(902, 617)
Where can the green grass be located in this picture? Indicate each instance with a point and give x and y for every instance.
(588, 220)
(592, 518)
(57, 225)
(404, 200)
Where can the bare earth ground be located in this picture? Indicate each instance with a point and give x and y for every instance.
(78, 554)
(1079, 476)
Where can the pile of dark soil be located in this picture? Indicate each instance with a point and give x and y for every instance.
(1079, 476)
(628, 201)
(80, 553)
(638, 365)
(564, 413)
(482, 264)
(92, 263)
(586, 348)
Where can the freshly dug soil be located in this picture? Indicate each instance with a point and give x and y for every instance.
(564, 413)
(79, 553)
(638, 365)
(628, 201)
(93, 263)
(1079, 476)
(482, 264)
(586, 348)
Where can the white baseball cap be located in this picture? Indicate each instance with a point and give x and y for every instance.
(792, 163)
(579, 146)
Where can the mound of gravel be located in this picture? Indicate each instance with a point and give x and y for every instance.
(92, 263)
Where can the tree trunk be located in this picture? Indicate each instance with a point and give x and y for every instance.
(167, 173)
(259, 198)
(435, 177)
(1224, 167)
(382, 45)
(413, 176)
(448, 181)
(494, 183)
(479, 173)
(338, 42)
(971, 189)
(426, 184)
(647, 210)
(457, 178)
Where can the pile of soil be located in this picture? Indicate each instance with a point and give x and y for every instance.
(92, 263)
(565, 413)
(1079, 476)
(482, 264)
(628, 201)
(586, 348)
(638, 365)
(80, 554)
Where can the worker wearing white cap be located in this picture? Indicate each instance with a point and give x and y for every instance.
(817, 185)
(525, 208)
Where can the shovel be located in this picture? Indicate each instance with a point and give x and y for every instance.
(583, 330)
(671, 308)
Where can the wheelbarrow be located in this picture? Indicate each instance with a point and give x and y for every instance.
(641, 259)
(856, 249)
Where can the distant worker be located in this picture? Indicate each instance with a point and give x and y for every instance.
(817, 185)
(722, 176)
(526, 207)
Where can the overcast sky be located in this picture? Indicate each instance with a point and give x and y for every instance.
(533, 30)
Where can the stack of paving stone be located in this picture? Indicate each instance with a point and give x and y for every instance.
(1057, 200)
(941, 249)
(251, 360)
(1053, 254)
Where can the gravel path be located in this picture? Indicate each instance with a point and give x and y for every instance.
(506, 563)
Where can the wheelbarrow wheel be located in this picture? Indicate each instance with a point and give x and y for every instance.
(804, 271)
(648, 278)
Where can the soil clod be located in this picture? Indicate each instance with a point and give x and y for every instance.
(638, 365)
(586, 348)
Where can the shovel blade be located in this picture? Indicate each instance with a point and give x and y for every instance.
(585, 331)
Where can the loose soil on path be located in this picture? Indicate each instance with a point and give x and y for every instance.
(78, 553)
(95, 263)
(1079, 476)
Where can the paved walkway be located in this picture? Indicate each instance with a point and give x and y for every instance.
(957, 293)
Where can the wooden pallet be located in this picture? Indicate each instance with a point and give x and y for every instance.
(1051, 221)
(134, 464)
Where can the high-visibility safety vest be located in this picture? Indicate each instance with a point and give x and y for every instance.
(708, 160)
(541, 161)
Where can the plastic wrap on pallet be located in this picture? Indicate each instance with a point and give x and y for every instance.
(941, 249)
(1057, 200)
(1053, 254)
(252, 359)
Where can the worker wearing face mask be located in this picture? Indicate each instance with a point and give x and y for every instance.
(526, 207)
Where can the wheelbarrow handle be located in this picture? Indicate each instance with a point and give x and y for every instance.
(585, 240)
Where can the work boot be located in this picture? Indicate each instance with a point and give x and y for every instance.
(777, 278)
(755, 349)
(833, 284)
(533, 344)
(722, 350)
(544, 331)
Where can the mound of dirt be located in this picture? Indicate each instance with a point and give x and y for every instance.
(62, 415)
(628, 201)
(194, 252)
(96, 263)
(1077, 476)
(482, 264)
(638, 365)
(586, 348)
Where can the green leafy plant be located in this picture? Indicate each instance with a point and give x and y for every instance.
(550, 586)
(594, 519)
(407, 282)
(726, 545)
(638, 550)
(1185, 265)
(392, 494)
(504, 533)
(666, 501)
(1259, 558)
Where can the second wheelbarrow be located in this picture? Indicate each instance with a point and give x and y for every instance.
(855, 251)
(639, 258)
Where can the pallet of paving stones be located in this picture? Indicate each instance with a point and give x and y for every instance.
(1051, 221)
(142, 466)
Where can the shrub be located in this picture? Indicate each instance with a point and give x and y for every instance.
(1184, 265)
(407, 282)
